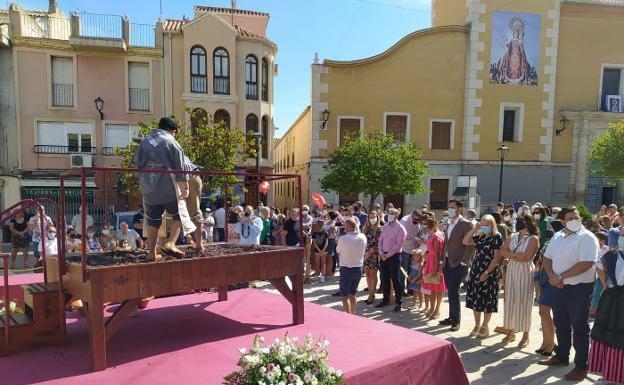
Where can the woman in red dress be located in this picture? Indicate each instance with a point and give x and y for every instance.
(435, 256)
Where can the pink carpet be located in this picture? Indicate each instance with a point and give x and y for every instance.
(192, 339)
(15, 286)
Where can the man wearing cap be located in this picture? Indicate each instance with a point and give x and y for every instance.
(160, 151)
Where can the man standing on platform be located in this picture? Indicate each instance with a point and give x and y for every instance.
(457, 258)
(219, 218)
(351, 248)
(569, 261)
(390, 244)
(412, 229)
(160, 151)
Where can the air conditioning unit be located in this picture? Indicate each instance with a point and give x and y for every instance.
(81, 160)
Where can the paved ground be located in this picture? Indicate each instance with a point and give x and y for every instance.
(487, 361)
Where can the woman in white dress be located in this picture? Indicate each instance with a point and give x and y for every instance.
(519, 250)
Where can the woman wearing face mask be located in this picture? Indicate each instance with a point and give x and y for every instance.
(19, 239)
(372, 230)
(107, 241)
(51, 245)
(482, 291)
(520, 249)
(546, 231)
(92, 240)
(433, 265)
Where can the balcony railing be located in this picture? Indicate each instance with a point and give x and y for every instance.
(62, 95)
(47, 27)
(110, 151)
(265, 93)
(63, 150)
(199, 84)
(252, 91)
(142, 35)
(138, 99)
(221, 85)
(101, 26)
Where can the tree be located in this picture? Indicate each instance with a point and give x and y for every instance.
(377, 164)
(210, 145)
(607, 152)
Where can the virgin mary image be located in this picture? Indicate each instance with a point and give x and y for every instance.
(513, 67)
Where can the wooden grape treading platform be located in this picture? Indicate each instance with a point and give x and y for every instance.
(127, 279)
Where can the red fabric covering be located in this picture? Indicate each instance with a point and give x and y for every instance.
(15, 286)
(194, 340)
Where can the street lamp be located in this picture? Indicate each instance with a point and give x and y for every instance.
(325, 117)
(99, 105)
(258, 137)
(502, 152)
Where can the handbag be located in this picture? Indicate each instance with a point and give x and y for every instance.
(542, 277)
(433, 278)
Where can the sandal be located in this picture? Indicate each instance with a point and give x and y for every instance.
(524, 342)
(475, 331)
(434, 316)
(483, 332)
(510, 337)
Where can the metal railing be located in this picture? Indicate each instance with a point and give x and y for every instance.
(101, 26)
(138, 99)
(47, 27)
(62, 150)
(111, 151)
(62, 95)
(142, 35)
(221, 85)
(251, 90)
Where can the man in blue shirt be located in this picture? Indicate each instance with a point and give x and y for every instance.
(249, 228)
(616, 234)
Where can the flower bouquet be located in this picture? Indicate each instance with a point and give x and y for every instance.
(285, 362)
(12, 305)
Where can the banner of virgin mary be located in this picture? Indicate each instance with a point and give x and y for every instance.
(515, 48)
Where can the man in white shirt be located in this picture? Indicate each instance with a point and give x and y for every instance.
(249, 228)
(351, 248)
(569, 261)
(134, 239)
(219, 217)
(209, 223)
(412, 241)
(77, 222)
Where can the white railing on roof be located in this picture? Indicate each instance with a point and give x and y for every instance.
(46, 26)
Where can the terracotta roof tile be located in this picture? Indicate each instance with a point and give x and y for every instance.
(173, 25)
(204, 8)
(247, 33)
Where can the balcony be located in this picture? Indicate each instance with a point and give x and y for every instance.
(63, 150)
(251, 91)
(138, 99)
(221, 85)
(88, 31)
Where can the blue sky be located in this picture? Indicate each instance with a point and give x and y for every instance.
(336, 29)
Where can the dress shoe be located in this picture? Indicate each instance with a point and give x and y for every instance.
(546, 353)
(336, 294)
(397, 308)
(553, 361)
(454, 327)
(381, 304)
(575, 375)
(446, 322)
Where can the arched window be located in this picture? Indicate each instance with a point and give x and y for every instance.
(265, 79)
(198, 116)
(251, 126)
(221, 65)
(251, 77)
(222, 117)
(199, 77)
(265, 137)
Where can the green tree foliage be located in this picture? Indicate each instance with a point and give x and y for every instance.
(607, 152)
(210, 145)
(374, 165)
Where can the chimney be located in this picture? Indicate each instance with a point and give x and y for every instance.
(52, 7)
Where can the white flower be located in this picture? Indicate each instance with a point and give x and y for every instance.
(287, 369)
(263, 370)
(242, 350)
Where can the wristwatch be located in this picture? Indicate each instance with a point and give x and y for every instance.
(559, 277)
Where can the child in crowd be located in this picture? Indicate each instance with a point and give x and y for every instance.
(92, 240)
(320, 243)
(600, 282)
(415, 278)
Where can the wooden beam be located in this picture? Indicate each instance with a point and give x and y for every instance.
(280, 285)
(223, 293)
(95, 314)
(122, 312)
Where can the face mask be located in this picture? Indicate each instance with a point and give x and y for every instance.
(452, 213)
(90, 234)
(507, 218)
(105, 232)
(621, 243)
(537, 217)
(51, 235)
(486, 230)
(391, 218)
(373, 221)
(574, 225)
(520, 225)
(304, 212)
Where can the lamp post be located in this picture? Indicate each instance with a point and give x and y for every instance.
(325, 117)
(258, 137)
(502, 152)
(99, 105)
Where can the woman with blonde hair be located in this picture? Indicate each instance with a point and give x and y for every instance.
(372, 231)
(482, 293)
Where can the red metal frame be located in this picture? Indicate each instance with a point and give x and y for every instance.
(82, 172)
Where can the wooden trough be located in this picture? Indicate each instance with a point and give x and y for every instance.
(128, 283)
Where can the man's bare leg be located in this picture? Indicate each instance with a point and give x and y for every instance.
(199, 245)
(352, 302)
(152, 236)
(174, 233)
(346, 304)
